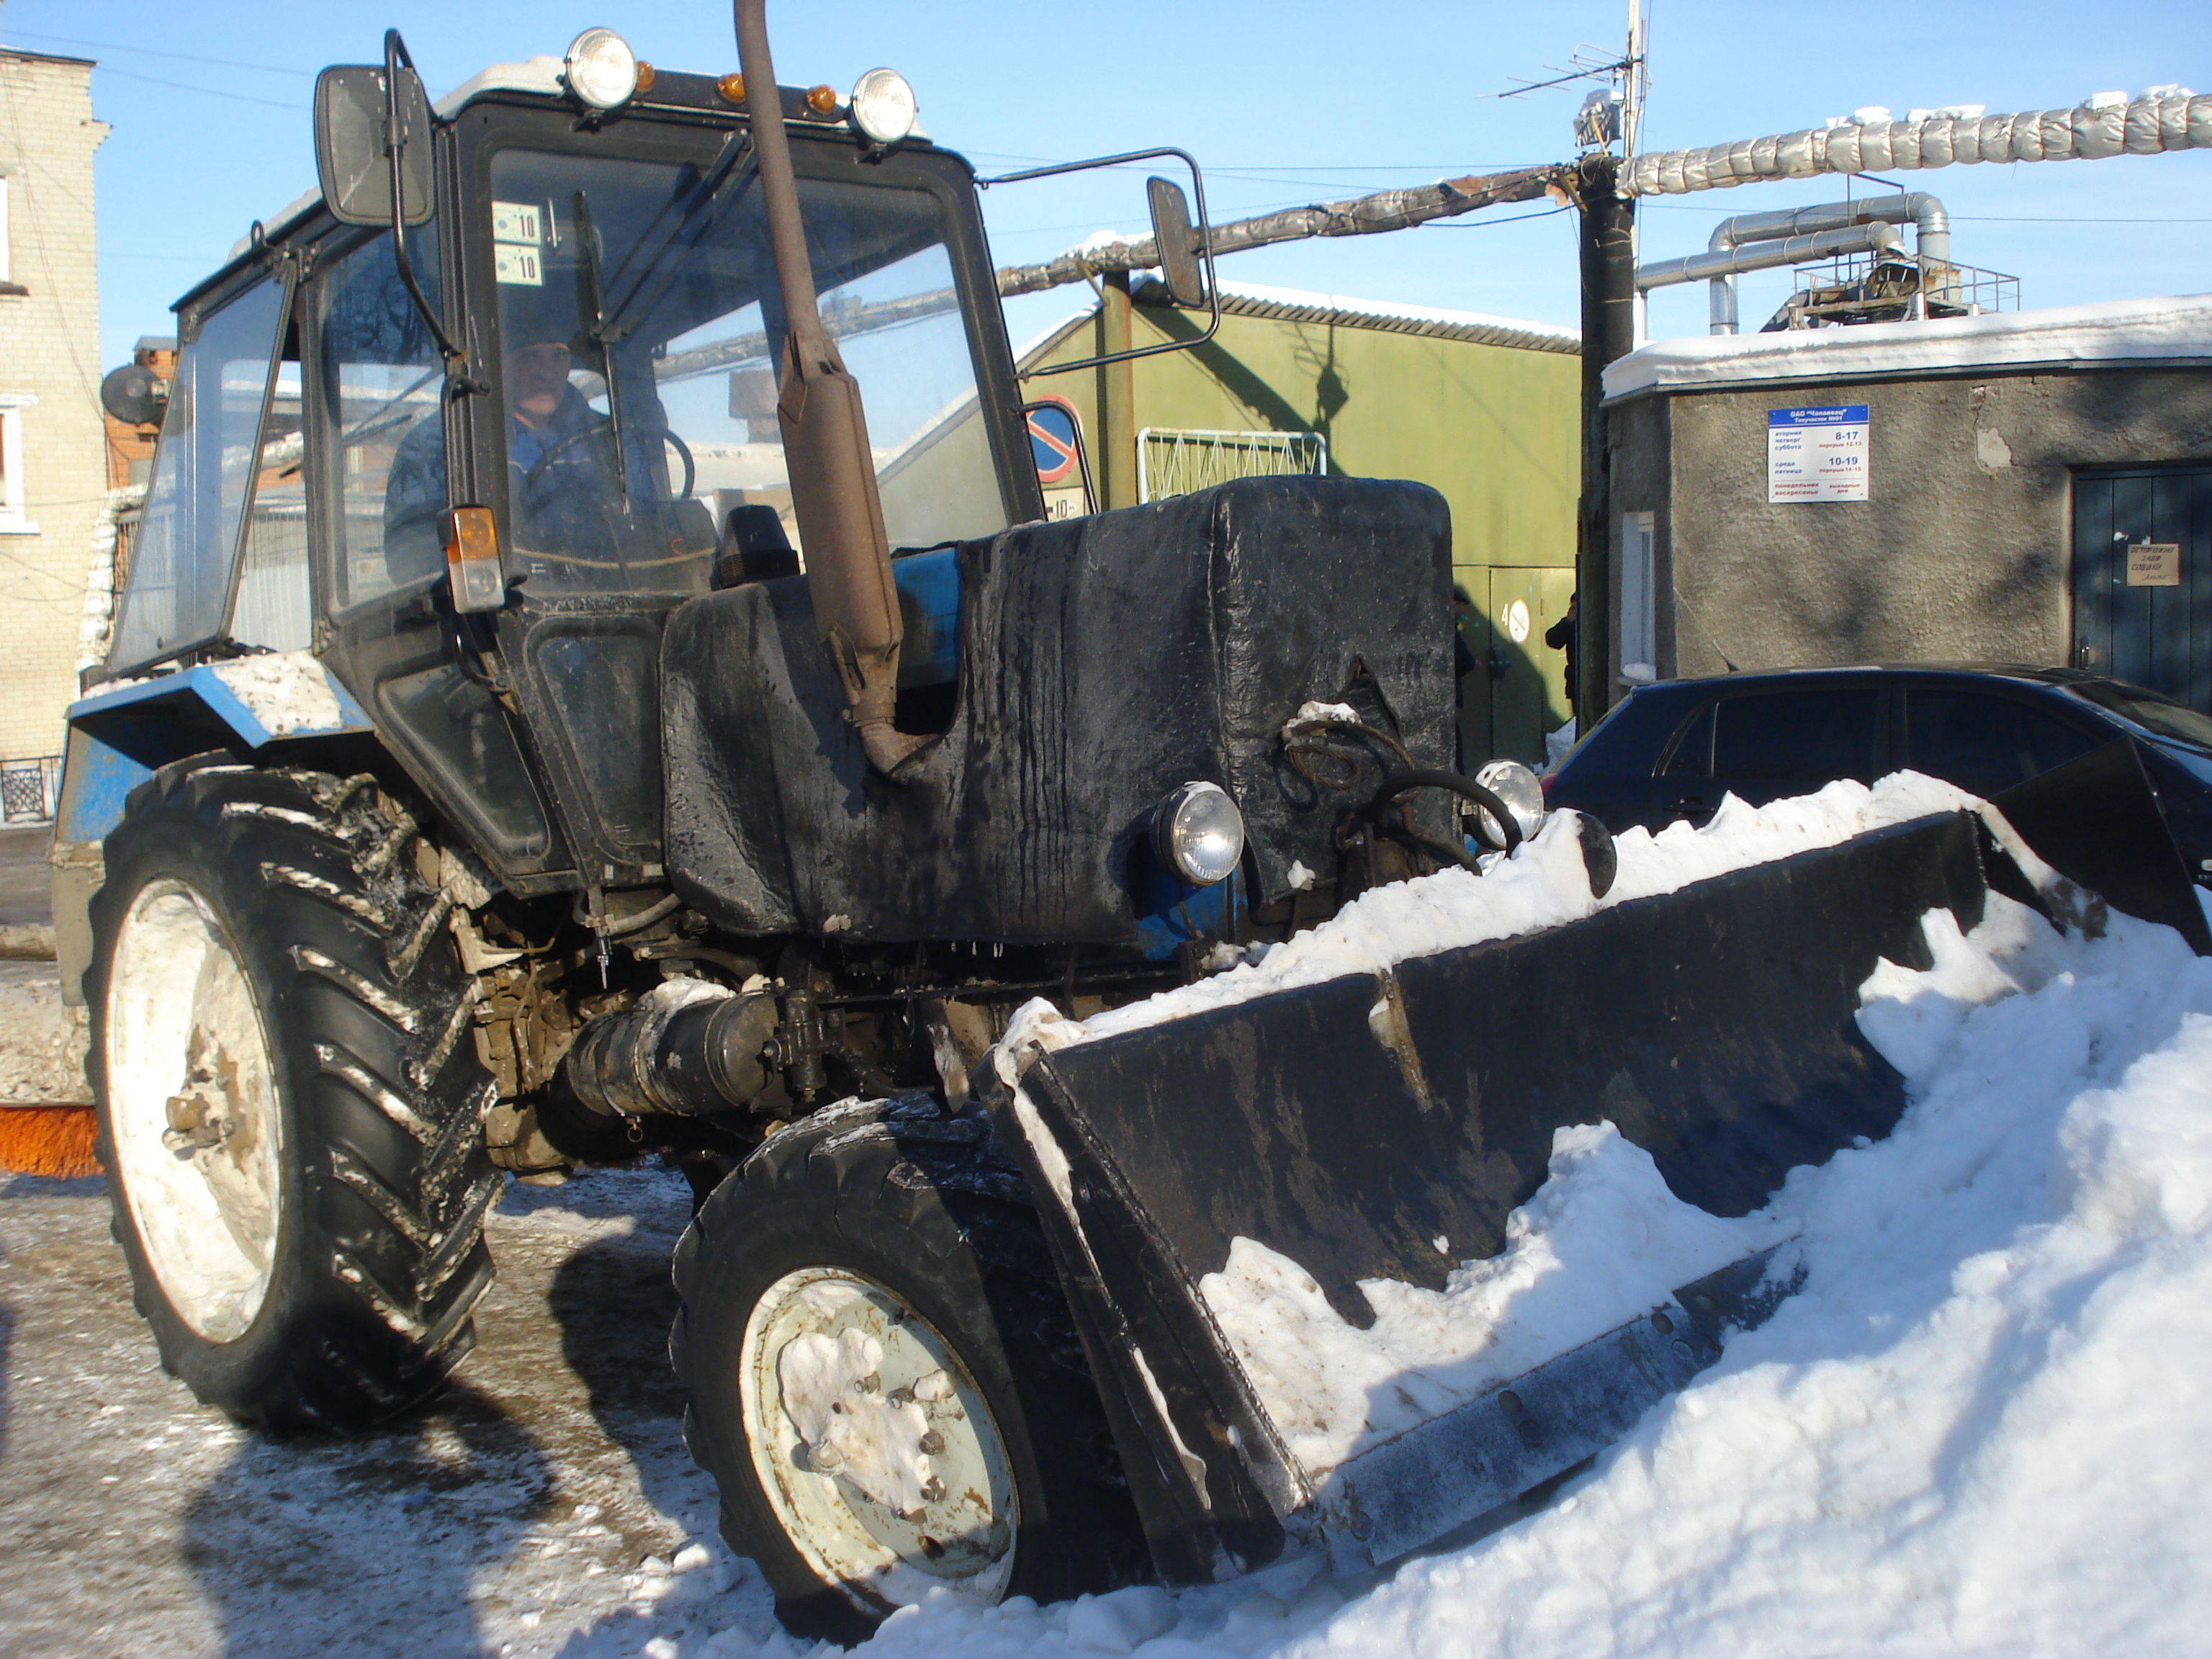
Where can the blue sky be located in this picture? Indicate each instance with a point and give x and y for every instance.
(1284, 103)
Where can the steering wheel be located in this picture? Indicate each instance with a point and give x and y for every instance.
(604, 428)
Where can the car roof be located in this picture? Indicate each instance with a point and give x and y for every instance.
(2025, 672)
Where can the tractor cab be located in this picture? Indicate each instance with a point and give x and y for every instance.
(608, 414)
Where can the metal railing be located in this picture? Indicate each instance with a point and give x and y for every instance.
(29, 789)
(1890, 288)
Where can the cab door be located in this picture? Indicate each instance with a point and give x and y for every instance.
(379, 403)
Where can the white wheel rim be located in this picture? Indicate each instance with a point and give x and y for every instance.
(872, 1443)
(191, 1103)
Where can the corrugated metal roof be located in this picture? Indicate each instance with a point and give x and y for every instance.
(1339, 311)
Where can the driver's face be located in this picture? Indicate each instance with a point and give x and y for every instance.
(537, 376)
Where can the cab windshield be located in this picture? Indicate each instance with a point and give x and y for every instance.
(639, 318)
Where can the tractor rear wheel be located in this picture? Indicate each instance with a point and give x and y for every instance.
(886, 1382)
(291, 1106)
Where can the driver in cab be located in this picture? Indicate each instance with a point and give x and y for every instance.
(561, 479)
(562, 488)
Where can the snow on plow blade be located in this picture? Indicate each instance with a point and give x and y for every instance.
(1384, 1126)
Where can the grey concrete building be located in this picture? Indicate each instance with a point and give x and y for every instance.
(2034, 487)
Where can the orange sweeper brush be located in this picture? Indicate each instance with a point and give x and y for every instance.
(48, 1140)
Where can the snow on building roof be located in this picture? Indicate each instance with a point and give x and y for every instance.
(2111, 332)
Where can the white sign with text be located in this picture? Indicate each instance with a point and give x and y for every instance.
(1817, 454)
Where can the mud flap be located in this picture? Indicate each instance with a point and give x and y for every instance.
(1351, 1125)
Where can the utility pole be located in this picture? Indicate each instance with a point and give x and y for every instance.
(1609, 331)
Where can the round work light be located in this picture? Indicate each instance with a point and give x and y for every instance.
(600, 69)
(883, 106)
(1199, 833)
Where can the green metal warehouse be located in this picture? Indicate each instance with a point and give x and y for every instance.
(1483, 409)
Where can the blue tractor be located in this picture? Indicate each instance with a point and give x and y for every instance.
(548, 723)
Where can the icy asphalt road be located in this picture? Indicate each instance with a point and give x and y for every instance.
(539, 1510)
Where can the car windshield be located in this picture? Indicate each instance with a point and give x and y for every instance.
(2162, 716)
(638, 318)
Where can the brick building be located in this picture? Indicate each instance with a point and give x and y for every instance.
(53, 462)
(130, 448)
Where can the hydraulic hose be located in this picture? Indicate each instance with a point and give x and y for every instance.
(1427, 777)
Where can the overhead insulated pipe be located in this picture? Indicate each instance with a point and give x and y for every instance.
(1718, 266)
(2168, 119)
(1931, 239)
(825, 442)
(1359, 215)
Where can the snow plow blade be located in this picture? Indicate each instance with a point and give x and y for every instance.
(1384, 1126)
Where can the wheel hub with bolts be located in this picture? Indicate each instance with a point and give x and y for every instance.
(192, 1092)
(873, 1443)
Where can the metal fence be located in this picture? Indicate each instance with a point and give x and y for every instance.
(1894, 287)
(29, 789)
(1176, 461)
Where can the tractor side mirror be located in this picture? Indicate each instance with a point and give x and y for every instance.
(1177, 246)
(357, 125)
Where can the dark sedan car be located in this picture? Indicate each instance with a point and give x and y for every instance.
(1668, 752)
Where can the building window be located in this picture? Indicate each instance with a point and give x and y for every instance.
(7, 282)
(1640, 654)
(13, 501)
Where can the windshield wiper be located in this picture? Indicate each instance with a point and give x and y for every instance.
(696, 207)
(597, 296)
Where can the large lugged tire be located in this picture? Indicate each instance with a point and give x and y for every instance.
(885, 1383)
(290, 1101)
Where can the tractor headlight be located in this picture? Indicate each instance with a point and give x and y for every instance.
(883, 106)
(1199, 833)
(600, 69)
(1517, 786)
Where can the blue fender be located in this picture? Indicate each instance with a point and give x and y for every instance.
(117, 738)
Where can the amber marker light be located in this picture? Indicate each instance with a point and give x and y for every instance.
(472, 564)
(822, 100)
(733, 87)
(645, 76)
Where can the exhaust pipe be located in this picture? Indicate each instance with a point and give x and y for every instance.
(825, 440)
(689, 1058)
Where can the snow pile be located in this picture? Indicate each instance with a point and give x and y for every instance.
(1603, 1241)
(1983, 1425)
(1541, 885)
(42, 1041)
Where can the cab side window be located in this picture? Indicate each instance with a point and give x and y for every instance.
(274, 607)
(383, 390)
(1984, 744)
(204, 471)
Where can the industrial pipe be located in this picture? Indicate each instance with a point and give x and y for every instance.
(2099, 127)
(825, 441)
(1359, 216)
(1931, 238)
(1717, 267)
